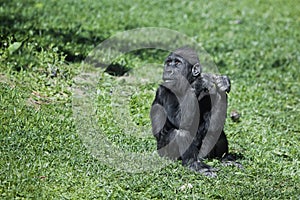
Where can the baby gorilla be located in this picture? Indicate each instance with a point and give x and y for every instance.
(189, 111)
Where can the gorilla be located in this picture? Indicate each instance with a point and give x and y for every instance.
(189, 111)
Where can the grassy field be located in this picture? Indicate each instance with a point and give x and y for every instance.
(42, 46)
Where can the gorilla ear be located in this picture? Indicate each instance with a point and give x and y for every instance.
(196, 69)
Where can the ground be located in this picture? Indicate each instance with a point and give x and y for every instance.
(43, 44)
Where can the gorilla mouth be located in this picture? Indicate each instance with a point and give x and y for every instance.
(168, 79)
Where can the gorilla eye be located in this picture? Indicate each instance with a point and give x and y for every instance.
(168, 62)
(177, 62)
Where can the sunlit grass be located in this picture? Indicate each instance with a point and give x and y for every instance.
(256, 43)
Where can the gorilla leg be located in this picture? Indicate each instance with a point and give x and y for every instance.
(167, 145)
(180, 145)
(220, 151)
(189, 151)
(177, 145)
(221, 147)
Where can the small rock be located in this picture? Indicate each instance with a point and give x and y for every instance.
(235, 116)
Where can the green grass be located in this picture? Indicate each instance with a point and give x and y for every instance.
(256, 43)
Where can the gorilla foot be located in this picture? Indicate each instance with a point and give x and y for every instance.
(203, 168)
(230, 160)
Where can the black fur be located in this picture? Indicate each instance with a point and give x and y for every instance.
(189, 106)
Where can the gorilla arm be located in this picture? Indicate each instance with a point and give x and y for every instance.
(174, 123)
(216, 87)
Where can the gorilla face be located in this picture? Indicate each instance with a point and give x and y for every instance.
(179, 73)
